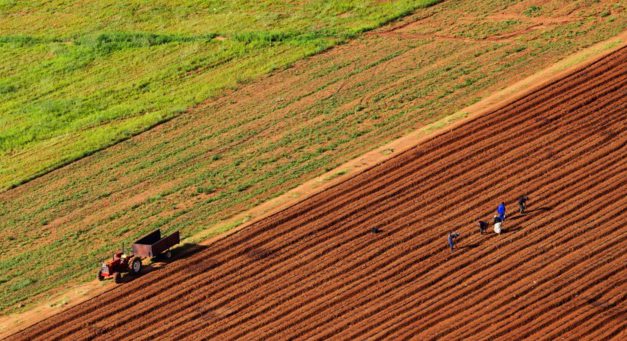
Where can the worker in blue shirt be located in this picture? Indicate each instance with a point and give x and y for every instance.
(501, 211)
(451, 240)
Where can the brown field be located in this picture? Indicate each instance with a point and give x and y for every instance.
(266, 137)
(315, 271)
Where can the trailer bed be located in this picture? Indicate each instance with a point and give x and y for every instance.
(152, 245)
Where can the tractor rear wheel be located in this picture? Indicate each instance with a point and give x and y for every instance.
(135, 265)
(117, 278)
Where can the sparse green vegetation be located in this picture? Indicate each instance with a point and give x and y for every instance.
(206, 190)
(533, 11)
(336, 174)
(483, 30)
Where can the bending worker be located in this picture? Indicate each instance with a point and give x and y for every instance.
(451, 240)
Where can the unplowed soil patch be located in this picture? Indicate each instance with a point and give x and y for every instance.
(316, 271)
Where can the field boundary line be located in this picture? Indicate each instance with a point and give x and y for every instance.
(398, 146)
(342, 173)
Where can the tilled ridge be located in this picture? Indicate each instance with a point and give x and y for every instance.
(315, 270)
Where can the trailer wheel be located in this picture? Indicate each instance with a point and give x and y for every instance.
(117, 278)
(168, 254)
(136, 265)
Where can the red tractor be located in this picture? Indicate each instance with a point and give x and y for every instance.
(150, 245)
(120, 263)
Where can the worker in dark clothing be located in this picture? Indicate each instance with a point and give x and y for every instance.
(501, 211)
(483, 226)
(451, 240)
(522, 204)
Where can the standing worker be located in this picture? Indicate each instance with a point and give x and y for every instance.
(451, 240)
(501, 211)
(483, 226)
(522, 204)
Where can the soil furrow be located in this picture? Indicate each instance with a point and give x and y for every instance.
(314, 270)
(227, 284)
(459, 294)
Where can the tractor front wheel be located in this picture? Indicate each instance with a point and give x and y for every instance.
(100, 276)
(136, 265)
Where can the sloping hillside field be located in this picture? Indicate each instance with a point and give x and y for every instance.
(249, 145)
(317, 271)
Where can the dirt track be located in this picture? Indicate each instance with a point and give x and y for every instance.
(316, 271)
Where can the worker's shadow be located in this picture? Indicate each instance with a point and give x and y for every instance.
(531, 213)
(511, 229)
(258, 253)
(470, 246)
(604, 305)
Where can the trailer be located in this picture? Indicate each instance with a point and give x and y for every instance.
(152, 245)
(148, 246)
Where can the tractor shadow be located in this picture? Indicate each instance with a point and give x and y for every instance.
(156, 263)
(186, 250)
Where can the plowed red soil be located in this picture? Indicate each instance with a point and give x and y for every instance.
(315, 270)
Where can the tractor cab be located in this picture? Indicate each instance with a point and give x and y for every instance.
(120, 262)
(118, 259)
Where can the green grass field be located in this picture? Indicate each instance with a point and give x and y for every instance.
(76, 77)
(252, 144)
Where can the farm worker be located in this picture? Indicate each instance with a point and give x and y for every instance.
(497, 224)
(501, 211)
(483, 226)
(522, 204)
(451, 240)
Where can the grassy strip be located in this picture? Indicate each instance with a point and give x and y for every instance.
(82, 82)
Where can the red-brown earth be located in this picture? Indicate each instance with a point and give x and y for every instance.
(315, 270)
